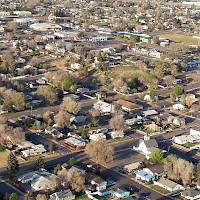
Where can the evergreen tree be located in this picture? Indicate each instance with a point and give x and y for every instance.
(57, 168)
(12, 164)
(14, 196)
(40, 162)
(72, 161)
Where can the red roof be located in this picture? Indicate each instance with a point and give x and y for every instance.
(128, 104)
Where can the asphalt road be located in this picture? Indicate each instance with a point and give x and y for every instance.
(38, 111)
(186, 88)
(124, 149)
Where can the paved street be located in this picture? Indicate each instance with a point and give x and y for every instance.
(39, 111)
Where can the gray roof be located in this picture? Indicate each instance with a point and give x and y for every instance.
(190, 193)
(168, 183)
(151, 143)
(62, 195)
(153, 150)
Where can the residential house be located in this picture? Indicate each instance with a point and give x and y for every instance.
(103, 107)
(158, 170)
(147, 147)
(78, 119)
(133, 121)
(120, 193)
(75, 142)
(128, 106)
(153, 127)
(131, 167)
(168, 184)
(97, 136)
(144, 145)
(34, 150)
(147, 113)
(98, 39)
(75, 66)
(145, 175)
(178, 106)
(62, 195)
(25, 145)
(148, 98)
(97, 181)
(191, 194)
(193, 137)
(117, 134)
(38, 180)
(178, 121)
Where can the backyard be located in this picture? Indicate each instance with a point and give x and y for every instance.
(4, 157)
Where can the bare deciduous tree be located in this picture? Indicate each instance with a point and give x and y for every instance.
(93, 112)
(100, 151)
(48, 117)
(76, 179)
(176, 166)
(47, 93)
(18, 136)
(189, 101)
(63, 177)
(69, 105)
(117, 122)
(41, 197)
(62, 119)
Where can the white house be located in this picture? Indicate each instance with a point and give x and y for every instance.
(98, 39)
(117, 134)
(100, 183)
(38, 180)
(97, 136)
(148, 98)
(75, 142)
(104, 107)
(168, 185)
(145, 174)
(183, 139)
(178, 121)
(147, 147)
(133, 121)
(34, 150)
(193, 137)
(22, 13)
(148, 113)
(75, 66)
(178, 106)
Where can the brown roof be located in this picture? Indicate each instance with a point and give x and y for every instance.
(128, 104)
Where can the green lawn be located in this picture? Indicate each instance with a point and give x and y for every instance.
(118, 139)
(188, 145)
(82, 197)
(159, 189)
(188, 40)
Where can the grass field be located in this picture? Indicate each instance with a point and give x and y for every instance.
(188, 40)
(159, 189)
(82, 197)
